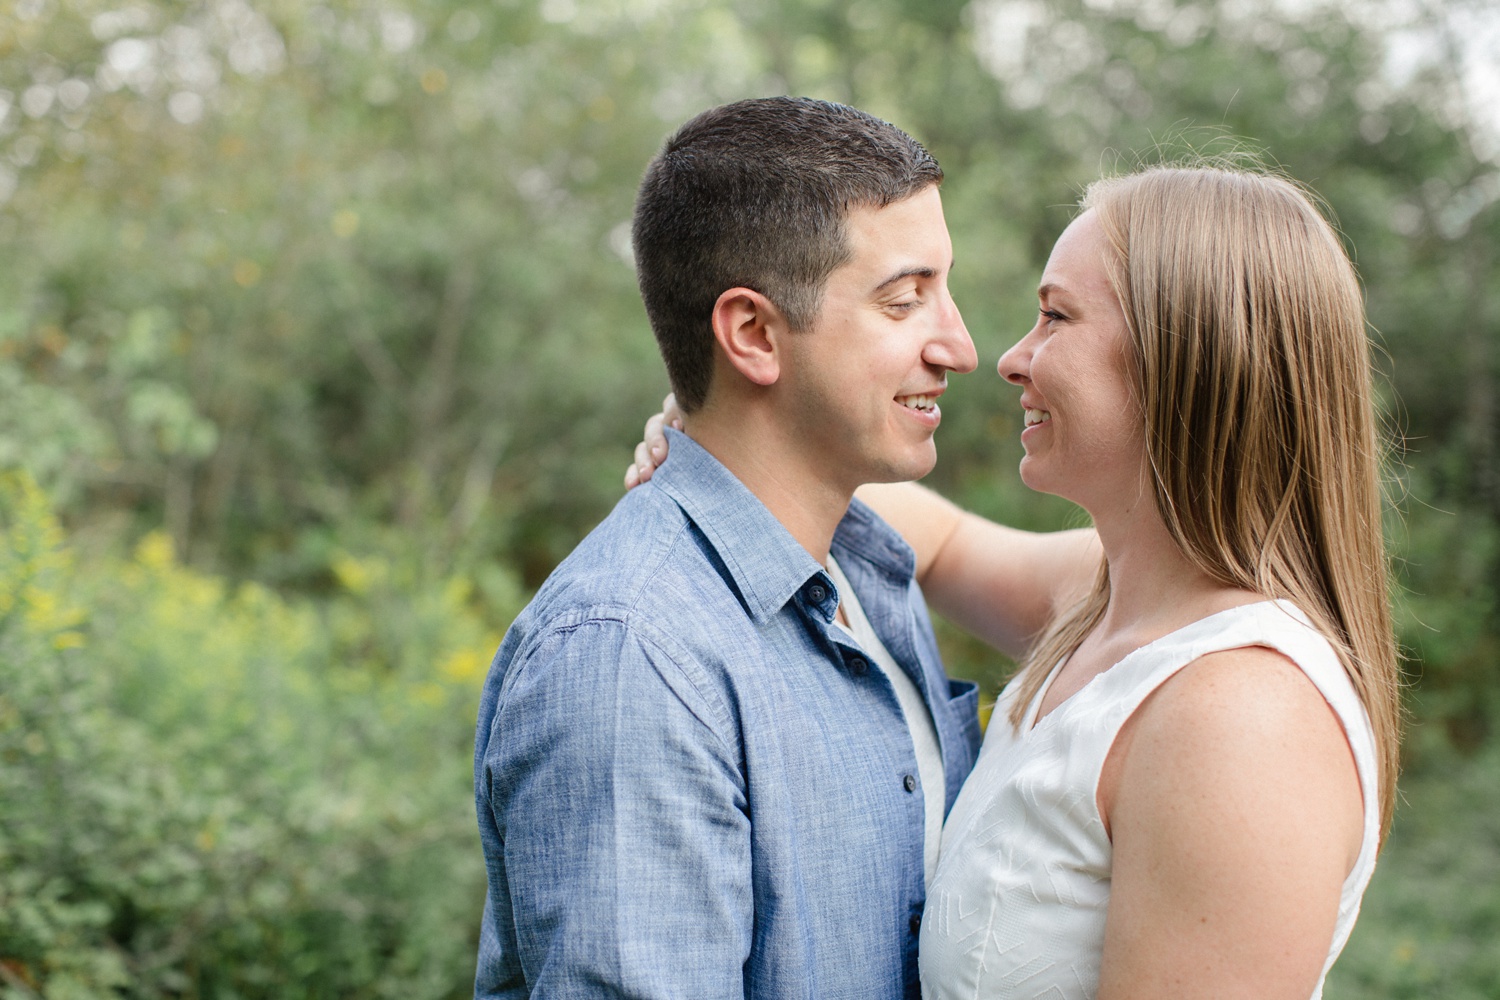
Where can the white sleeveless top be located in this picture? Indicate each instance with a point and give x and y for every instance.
(1017, 907)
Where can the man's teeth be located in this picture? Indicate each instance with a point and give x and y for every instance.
(923, 403)
(1037, 417)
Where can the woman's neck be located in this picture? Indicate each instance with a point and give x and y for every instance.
(1154, 588)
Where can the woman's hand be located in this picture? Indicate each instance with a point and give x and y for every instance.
(652, 451)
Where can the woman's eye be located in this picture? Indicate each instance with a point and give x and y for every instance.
(1052, 314)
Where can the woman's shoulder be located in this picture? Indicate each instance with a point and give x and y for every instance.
(1258, 672)
(1250, 690)
(1247, 725)
(1242, 732)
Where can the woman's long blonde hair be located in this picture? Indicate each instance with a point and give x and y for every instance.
(1252, 365)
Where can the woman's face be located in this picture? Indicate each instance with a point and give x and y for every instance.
(1084, 432)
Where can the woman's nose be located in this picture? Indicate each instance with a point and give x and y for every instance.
(1015, 364)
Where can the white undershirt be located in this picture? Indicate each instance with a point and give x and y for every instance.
(918, 719)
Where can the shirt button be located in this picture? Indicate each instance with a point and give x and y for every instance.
(909, 783)
(858, 667)
(816, 593)
(915, 923)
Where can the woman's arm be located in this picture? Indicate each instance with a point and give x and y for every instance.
(1234, 807)
(1002, 584)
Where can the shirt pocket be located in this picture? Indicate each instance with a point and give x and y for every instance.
(963, 709)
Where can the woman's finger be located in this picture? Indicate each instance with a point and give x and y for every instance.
(671, 412)
(644, 463)
(655, 438)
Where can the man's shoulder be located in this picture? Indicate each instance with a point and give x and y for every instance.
(641, 597)
(644, 565)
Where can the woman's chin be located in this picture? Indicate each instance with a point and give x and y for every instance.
(1033, 477)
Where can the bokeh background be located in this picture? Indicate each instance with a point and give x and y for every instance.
(320, 346)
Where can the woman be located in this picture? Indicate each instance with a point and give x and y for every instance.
(1183, 791)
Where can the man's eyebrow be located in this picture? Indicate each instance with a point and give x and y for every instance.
(910, 272)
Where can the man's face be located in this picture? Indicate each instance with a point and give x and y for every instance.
(860, 388)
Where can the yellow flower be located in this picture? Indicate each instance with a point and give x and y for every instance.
(457, 590)
(466, 666)
(68, 640)
(356, 575)
(155, 551)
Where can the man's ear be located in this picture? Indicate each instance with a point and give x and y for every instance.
(748, 327)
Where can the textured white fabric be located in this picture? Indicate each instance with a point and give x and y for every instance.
(1018, 904)
(924, 737)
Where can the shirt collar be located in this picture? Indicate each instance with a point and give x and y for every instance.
(864, 534)
(766, 563)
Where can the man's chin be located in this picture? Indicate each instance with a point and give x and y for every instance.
(907, 471)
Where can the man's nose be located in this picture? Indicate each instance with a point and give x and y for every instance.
(953, 348)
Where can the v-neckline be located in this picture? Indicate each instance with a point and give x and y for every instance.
(1033, 711)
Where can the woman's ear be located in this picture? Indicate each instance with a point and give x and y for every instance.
(748, 326)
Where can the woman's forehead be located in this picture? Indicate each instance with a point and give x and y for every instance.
(1078, 263)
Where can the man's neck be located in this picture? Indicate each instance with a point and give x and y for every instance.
(779, 472)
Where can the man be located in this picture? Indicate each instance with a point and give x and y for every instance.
(714, 753)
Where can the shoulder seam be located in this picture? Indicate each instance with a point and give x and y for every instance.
(648, 635)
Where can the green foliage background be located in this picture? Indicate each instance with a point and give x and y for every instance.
(320, 345)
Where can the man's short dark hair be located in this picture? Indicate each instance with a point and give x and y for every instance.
(755, 194)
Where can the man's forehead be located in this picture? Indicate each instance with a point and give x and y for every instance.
(929, 198)
(903, 239)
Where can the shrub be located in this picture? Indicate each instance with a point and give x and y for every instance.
(213, 791)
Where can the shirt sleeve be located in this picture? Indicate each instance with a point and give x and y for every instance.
(617, 836)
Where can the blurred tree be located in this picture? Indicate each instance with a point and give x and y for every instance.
(339, 293)
(284, 274)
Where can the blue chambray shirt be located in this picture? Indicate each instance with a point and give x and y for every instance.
(687, 785)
